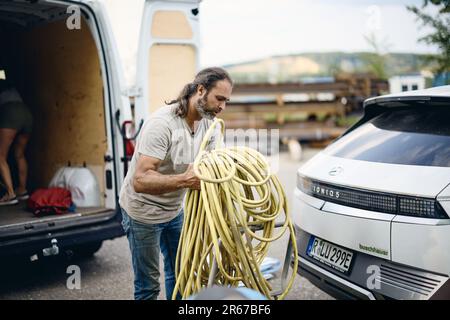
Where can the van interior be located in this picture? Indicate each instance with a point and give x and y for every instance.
(57, 72)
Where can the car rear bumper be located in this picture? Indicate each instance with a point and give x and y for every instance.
(371, 277)
(330, 283)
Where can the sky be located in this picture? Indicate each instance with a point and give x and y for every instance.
(233, 31)
(240, 30)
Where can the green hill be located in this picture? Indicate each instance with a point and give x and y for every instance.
(291, 68)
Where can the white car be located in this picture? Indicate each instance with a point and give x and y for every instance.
(372, 209)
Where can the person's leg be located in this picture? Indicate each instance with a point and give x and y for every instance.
(19, 153)
(6, 139)
(170, 237)
(144, 247)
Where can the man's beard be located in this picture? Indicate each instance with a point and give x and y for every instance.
(201, 107)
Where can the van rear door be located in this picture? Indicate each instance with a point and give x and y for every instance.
(167, 53)
(118, 109)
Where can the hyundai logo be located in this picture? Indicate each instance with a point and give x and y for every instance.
(335, 171)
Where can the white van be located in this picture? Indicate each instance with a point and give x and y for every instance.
(62, 58)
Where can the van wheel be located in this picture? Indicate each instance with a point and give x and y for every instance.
(88, 249)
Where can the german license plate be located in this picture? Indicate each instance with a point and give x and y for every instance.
(330, 254)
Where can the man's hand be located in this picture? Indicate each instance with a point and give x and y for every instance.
(191, 180)
(148, 180)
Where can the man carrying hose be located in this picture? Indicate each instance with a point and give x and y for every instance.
(160, 172)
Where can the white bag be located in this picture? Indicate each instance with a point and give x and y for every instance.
(81, 182)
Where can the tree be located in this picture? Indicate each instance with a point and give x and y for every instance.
(440, 36)
(376, 60)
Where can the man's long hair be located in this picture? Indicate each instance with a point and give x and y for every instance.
(207, 78)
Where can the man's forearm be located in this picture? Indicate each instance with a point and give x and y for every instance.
(155, 183)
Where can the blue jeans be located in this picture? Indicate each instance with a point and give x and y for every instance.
(146, 241)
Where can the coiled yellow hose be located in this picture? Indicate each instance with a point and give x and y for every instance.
(238, 196)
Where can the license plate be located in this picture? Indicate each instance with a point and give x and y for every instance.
(330, 254)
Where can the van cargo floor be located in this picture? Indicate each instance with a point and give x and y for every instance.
(17, 214)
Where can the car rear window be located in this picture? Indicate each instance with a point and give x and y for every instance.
(411, 137)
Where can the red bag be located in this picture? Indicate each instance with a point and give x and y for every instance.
(50, 201)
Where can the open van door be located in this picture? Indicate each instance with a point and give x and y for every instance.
(167, 53)
(116, 101)
(119, 112)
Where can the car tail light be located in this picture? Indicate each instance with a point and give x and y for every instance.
(372, 200)
(421, 207)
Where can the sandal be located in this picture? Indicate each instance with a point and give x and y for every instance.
(23, 196)
(6, 200)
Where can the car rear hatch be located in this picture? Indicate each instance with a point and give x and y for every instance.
(368, 188)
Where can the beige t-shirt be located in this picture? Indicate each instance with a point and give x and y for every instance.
(167, 137)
